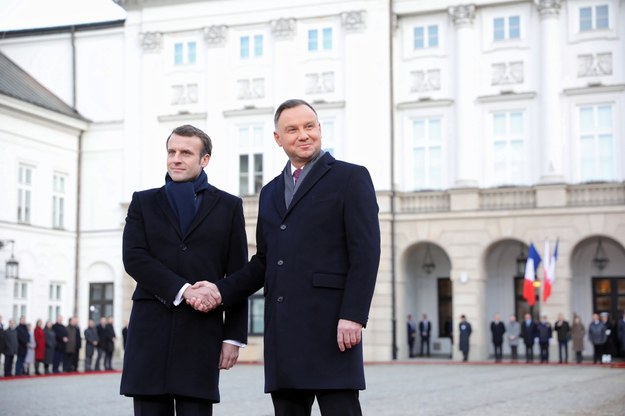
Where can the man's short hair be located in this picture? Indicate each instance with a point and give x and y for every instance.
(296, 102)
(188, 130)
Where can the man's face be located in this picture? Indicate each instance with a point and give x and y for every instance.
(183, 158)
(299, 133)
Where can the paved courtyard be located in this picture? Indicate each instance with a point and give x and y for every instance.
(396, 389)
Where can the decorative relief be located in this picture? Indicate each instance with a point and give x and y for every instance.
(184, 94)
(248, 89)
(151, 41)
(591, 65)
(215, 35)
(320, 83)
(462, 15)
(425, 80)
(505, 73)
(548, 7)
(283, 28)
(353, 20)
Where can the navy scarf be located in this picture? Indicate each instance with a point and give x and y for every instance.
(184, 199)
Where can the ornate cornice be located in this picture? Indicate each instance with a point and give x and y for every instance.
(462, 15)
(215, 35)
(283, 28)
(548, 8)
(151, 41)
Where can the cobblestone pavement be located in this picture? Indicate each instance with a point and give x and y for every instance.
(394, 389)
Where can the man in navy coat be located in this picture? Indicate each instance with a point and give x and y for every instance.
(174, 236)
(318, 251)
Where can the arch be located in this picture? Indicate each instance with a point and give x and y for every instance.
(425, 291)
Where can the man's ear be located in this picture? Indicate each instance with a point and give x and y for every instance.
(276, 137)
(204, 160)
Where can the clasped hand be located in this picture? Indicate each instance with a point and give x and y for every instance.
(203, 296)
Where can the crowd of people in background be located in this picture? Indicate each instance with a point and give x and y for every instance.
(606, 336)
(54, 348)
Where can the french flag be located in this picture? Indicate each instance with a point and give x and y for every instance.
(549, 267)
(533, 260)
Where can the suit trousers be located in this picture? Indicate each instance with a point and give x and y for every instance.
(165, 405)
(331, 402)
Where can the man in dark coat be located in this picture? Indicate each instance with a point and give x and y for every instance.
(497, 329)
(318, 251)
(425, 328)
(175, 235)
(464, 335)
(10, 348)
(62, 337)
(544, 331)
(563, 330)
(22, 346)
(411, 327)
(529, 332)
(102, 342)
(91, 343)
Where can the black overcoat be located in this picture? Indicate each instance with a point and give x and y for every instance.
(171, 349)
(318, 262)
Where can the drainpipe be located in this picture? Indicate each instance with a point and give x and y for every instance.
(391, 26)
(78, 181)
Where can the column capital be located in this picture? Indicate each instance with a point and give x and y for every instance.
(215, 35)
(463, 14)
(151, 41)
(283, 28)
(548, 8)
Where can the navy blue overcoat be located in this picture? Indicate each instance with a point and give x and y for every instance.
(174, 349)
(318, 262)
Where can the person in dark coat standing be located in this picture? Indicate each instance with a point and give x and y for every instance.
(318, 251)
(175, 235)
(411, 328)
(529, 334)
(72, 348)
(597, 337)
(109, 343)
(620, 332)
(563, 330)
(62, 337)
(497, 329)
(464, 335)
(50, 346)
(544, 337)
(102, 343)
(425, 328)
(91, 344)
(22, 346)
(10, 348)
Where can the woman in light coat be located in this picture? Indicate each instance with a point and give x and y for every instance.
(577, 334)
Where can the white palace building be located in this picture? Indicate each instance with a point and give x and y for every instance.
(486, 126)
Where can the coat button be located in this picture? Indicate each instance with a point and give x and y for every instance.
(283, 227)
(280, 262)
(183, 247)
(280, 299)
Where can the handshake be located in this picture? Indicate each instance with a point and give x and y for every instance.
(202, 296)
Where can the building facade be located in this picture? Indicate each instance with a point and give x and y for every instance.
(485, 126)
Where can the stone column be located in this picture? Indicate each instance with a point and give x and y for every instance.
(550, 86)
(465, 70)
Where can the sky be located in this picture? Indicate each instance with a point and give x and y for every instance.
(36, 14)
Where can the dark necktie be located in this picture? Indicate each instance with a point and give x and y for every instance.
(296, 174)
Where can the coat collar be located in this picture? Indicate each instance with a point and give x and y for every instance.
(321, 167)
(209, 199)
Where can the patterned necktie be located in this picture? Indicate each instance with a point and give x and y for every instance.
(296, 174)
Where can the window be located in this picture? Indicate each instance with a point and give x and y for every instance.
(24, 189)
(506, 29)
(20, 299)
(320, 39)
(100, 300)
(55, 297)
(185, 53)
(596, 143)
(251, 46)
(427, 153)
(58, 201)
(256, 312)
(250, 160)
(608, 295)
(328, 136)
(508, 148)
(425, 37)
(445, 308)
(594, 18)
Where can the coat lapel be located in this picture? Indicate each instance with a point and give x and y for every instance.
(322, 166)
(209, 199)
(278, 195)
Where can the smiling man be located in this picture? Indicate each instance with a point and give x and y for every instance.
(318, 250)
